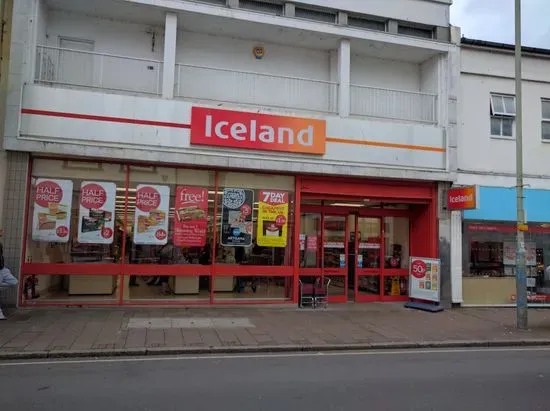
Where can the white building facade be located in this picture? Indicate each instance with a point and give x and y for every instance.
(484, 238)
(343, 111)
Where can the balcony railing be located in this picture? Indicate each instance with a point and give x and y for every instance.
(77, 68)
(393, 104)
(249, 88)
(97, 70)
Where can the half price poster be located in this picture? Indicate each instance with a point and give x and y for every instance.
(190, 216)
(151, 214)
(237, 224)
(96, 219)
(272, 218)
(52, 210)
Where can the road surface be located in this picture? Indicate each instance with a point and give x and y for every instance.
(493, 379)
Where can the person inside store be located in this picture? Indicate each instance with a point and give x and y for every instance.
(6, 277)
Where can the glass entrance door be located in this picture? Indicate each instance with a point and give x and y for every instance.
(323, 251)
(335, 256)
(369, 252)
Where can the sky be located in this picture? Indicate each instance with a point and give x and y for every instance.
(493, 20)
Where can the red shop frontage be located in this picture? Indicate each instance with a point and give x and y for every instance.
(114, 233)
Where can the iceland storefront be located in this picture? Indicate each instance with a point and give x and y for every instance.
(166, 203)
(489, 247)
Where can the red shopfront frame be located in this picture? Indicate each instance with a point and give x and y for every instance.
(425, 227)
(123, 270)
(422, 215)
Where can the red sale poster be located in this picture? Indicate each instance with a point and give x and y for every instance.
(190, 216)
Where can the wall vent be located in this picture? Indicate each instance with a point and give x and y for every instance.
(415, 31)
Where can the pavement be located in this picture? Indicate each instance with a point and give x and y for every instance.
(81, 332)
(494, 379)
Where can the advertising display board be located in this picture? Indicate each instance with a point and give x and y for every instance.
(425, 279)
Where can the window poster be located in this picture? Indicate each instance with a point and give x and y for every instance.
(151, 214)
(272, 218)
(52, 210)
(190, 216)
(96, 219)
(237, 223)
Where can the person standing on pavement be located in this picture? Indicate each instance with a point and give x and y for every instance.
(6, 277)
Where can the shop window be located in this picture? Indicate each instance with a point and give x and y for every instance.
(503, 113)
(72, 214)
(489, 254)
(255, 219)
(396, 235)
(545, 124)
(170, 221)
(73, 219)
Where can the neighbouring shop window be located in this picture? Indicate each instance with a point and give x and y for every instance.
(489, 254)
(255, 219)
(396, 234)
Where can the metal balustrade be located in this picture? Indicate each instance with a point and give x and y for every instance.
(258, 89)
(393, 104)
(94, 70)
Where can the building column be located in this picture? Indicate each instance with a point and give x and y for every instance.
(456, 257)
(14, 217)
(170, 44)
(344, 77)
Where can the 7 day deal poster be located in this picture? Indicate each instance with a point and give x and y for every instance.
(96, 219)
(52, 210)
(272, 218)
(151, 215)
(191, 211)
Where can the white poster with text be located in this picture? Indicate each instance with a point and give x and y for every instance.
(96, 219)
(151, 215)
(52, 210)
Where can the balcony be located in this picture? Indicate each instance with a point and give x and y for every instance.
(87, 69)
(102, 71)
(393, 104)
(249, 88)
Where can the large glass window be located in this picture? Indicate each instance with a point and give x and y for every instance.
(489, 254)
(396, 234)
(255, 219)
(170, 221)
(73, 220)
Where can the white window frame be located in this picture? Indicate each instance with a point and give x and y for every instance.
(500, 110)
(544, 120)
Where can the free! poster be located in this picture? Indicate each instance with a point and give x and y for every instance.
(237, 225)
(272, 218)
(52, 210)
(96, 219)
(151, 214)
(190, 216)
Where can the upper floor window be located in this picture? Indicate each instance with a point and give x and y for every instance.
(545, 120)
(503, 114)
(415, 31)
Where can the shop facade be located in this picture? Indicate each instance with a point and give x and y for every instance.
(489, 248)
(218, 206)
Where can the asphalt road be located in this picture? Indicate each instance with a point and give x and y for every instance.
(427, 380)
